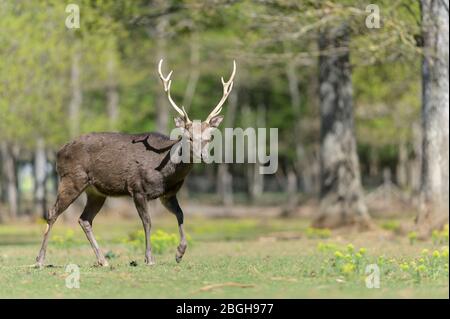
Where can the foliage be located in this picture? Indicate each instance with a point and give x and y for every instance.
(296, 268)
(350, 263)
(412, 236)
(161, 241)
(36, 88)
(440, 237)
(312, 232)
(391, 225)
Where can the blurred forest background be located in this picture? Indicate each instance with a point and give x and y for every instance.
(362, 112)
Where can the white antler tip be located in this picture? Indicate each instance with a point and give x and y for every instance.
(231, 87)
(167, 83)
(227, 87)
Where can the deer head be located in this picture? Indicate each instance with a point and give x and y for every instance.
(199, 137)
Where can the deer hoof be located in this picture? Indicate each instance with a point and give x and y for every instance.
(180, 252)
(102, 263)
(178, 258)
(150, 261)
(38, 265)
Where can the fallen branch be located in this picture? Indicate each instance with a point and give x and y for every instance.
(226, 284)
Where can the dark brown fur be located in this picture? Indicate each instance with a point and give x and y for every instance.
(117, 164)
(111, 164)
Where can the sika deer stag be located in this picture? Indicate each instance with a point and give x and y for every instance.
(117, 164)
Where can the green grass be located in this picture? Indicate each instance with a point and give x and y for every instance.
(270, 258)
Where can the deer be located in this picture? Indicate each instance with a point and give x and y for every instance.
(139, 166)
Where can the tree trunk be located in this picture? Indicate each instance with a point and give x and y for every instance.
(300, 162)
(292, 192)
(77, 96)
(194, 72)
(112, 94)
(162, 108)
(435, 116)
(415, 163)
(311, 173)
(10, 176)
(224, 178)
(40, 173)
(225, 184)
(342, 201)
(257, 179)
(3, 194)
(373, 163)
(402, 169)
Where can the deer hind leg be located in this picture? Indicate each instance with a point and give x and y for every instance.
(93, 205)
(141, 206)
(171, 203)
(68, 191)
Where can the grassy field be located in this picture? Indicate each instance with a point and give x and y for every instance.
(229, 258)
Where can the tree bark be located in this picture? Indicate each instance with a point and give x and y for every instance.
(435, 116)
(256, 179)
(341, 194)
(415, 164)
(294, 92)
(225, 184)
(373, 163)
(224, 178)
(402, 165)
(10, 176)
(112, 94)
(292, 192)
(162, 109)
(194, 73)
(3, 194)
(77, 96)
(40, 174)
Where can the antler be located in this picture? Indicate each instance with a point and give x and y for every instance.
(227, 87)
(167, 81)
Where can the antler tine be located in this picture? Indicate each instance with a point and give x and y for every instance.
(227, 87)
(167, 82)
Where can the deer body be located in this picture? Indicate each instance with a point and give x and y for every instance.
(117, 164)
(135, 165)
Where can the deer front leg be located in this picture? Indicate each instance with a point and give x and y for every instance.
(141, 206)
(171, 203)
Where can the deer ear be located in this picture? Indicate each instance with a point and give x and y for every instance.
(215, 121)
(179, 122)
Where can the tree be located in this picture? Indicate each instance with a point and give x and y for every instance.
(341, 193)
(32, 89)
(224, 184)
(10, 176)
(40, 178)
(435, 115)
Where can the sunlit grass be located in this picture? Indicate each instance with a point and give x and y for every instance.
(254, 252)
